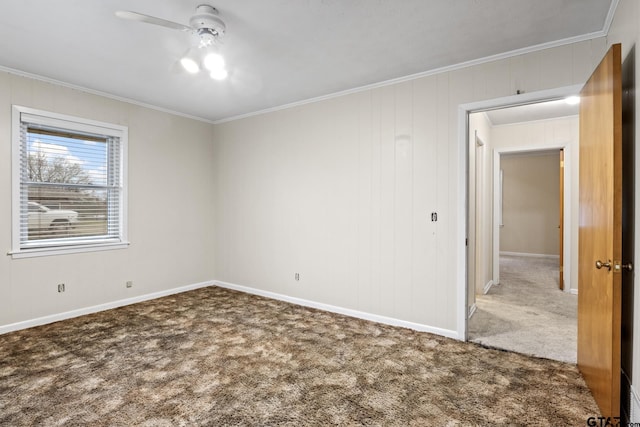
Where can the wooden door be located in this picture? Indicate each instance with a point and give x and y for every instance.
(561, 220)
(600, 233)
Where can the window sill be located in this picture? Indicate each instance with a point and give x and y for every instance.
(38, 252)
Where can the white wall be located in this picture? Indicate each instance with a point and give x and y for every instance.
(531, 203)
(170, 210)
(341, 190)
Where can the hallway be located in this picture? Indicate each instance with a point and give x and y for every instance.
(527, 313)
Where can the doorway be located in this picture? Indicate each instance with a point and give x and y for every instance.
(519, 305)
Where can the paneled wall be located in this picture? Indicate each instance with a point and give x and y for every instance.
(341, 191)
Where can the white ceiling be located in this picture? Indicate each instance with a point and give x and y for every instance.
(278, 51)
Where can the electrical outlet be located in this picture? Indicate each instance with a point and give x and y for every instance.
(129, 284)
(297, 277)
(60, 287)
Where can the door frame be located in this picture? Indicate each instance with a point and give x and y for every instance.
(462, 317)
(566, 238)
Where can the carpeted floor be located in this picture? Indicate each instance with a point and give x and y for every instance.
(223, 358)
(527, 312)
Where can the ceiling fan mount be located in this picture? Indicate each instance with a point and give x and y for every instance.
(207, 20)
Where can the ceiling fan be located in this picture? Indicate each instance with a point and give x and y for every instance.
(208, 29)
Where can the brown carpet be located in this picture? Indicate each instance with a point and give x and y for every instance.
(218, 357)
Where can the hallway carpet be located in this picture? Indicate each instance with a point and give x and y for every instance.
(527, 312)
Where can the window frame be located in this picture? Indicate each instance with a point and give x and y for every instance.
(72, 123)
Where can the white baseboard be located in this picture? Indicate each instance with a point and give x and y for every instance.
(635, 406)
(526, 254)
(487, 287)
(307, 303)
(472, 310)
(573, 291)
(101, 307)
(341, 310)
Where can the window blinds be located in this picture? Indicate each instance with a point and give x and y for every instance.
(70, 183)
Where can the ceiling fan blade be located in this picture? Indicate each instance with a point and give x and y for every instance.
(135, 16)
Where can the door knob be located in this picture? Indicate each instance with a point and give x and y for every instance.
(600, 264)
(619, 267)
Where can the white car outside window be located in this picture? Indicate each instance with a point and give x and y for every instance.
(44, 218)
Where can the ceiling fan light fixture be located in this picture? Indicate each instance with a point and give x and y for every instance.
(207, 29)
(213, 61)
(219, 74)
(190, 61)
(190, 65)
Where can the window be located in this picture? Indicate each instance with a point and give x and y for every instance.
(69, 188)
